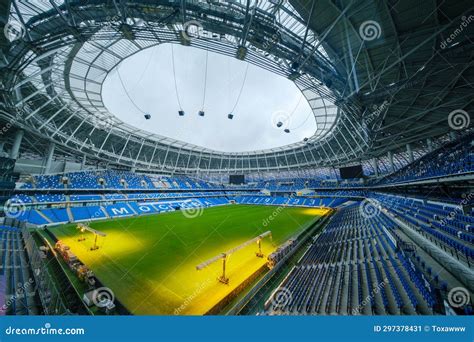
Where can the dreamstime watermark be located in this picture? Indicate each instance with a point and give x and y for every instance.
(20, 292)
(281, 298)
(102, 122)
(272, 216)
(192, 209)
(14, 207)
(11, 122)
(280, 119)
(110, 20)
(377, 110)
(14, 30)
(458, 297)
(370, 208)
(459, 119)
(464, 23)
(192, 296)
(192, 29)
(88, 46)
(274, 39)
(452, 214)
(46, 330)
(370, 296)
(97, 214)
(370, 30)
(266, 221)
(102, 297)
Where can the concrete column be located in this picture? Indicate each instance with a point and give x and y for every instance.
(84, 160)
(19, 97)
(16, 144)
(410, 153)
(452, 135)
(375, 166)
(49, 157)
(390, 158)
(429, 142)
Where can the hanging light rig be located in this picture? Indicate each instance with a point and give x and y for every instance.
(145, 114)
(287, 121)
(223, 256)
(201, 112)
(180, 111)
(230, 116)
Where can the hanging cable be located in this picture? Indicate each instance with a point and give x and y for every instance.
(205, 81)
(146, 67)
(293, 112)
(228, 82)
(126, 92)
(174, 76)
(302, 124)
(241, 88)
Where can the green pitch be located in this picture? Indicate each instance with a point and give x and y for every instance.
(149, 261)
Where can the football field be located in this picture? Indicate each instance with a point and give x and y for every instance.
(149, 262)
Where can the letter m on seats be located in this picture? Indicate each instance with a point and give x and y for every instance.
(120, 211)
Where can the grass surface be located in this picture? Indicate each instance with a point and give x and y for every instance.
(149, 261)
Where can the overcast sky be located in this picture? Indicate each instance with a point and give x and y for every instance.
(266, 99)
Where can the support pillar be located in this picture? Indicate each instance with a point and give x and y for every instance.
(375, 166)
(410, 153)
(84, 160)
(429, 142)
(390, 158)
(16, 144)
(49, 158)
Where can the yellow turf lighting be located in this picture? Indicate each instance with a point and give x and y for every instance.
(82, 231)
(316, 211)
(83, 228)
(152, 271)
(223, 279)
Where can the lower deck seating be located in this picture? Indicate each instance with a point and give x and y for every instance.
(120, 205)
(87, 213)
(16, 281)
(444, 224)
(353, 268)
(79, 213)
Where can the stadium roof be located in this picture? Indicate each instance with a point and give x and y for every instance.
(375, 80)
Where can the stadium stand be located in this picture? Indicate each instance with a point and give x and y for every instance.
(452, 159)
(16, 280)
(445, 224)
(357, 254)
(393, 237)
(358, 265)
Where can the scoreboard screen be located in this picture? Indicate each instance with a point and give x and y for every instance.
(236, 179)
(351, 172)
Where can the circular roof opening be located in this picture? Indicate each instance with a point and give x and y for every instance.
(245, 108)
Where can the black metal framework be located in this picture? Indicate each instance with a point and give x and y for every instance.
(56, 71)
